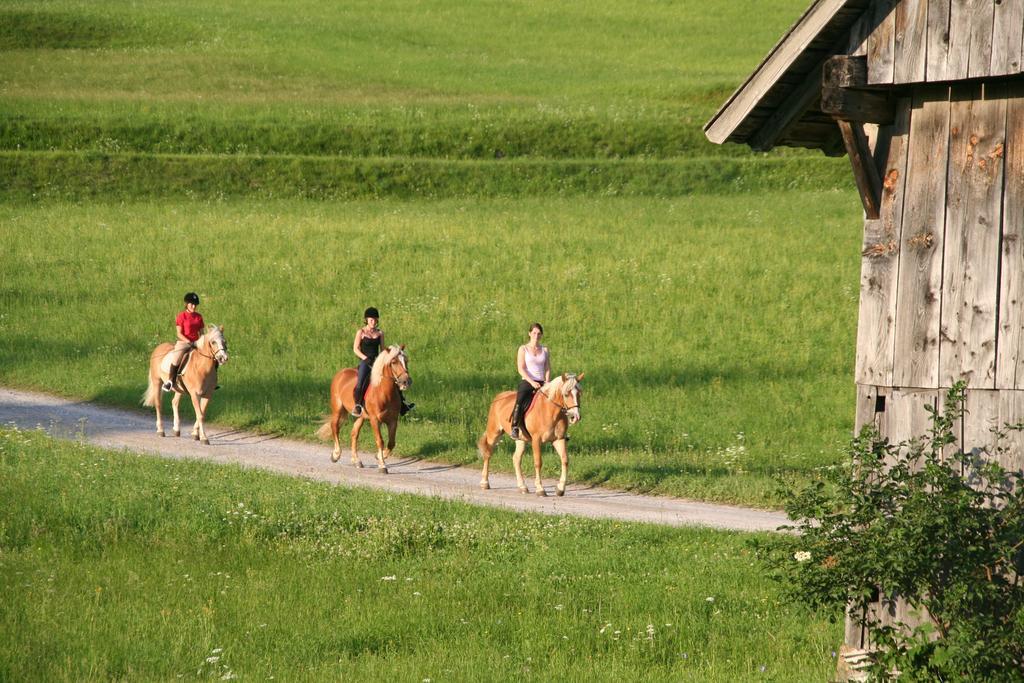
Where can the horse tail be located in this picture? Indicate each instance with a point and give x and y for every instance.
(152, 394)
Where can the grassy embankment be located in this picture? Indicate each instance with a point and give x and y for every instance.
(715, 337)
(135, 568)
(380, 99)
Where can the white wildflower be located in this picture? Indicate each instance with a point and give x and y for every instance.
(801, 556)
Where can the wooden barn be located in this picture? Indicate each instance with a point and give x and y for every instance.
(927, 99)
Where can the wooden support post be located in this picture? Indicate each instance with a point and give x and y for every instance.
(869, 184)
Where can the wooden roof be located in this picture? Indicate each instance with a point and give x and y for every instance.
(779, 102)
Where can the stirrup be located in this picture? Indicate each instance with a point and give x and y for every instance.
(357, 411)
(167, 386)
(406, 407)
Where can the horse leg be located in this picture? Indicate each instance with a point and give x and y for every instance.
(175, 402)
(486, 445)
(485, 473)
(381, 467)
(201, 416)
(517, 463)
(356, 426)
(335, 428)
(198, 433)
(157, 404)
(536, 466)
(564, 455)
(486, 448)
(392, 428)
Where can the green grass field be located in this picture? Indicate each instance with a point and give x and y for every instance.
(380, 78)
(716, 332)
(122, 567)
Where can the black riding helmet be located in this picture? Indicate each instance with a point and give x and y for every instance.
(371, 312)
(192, 298)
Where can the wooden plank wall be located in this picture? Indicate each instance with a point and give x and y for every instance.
(918, 41)
(970, 285)
(1010, 352)
(919, 283)
(880, 252)
(942, 275)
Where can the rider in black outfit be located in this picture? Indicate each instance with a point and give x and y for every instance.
(367, 345)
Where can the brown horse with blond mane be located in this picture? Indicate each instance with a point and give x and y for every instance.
(383, 404)
(199, 379)
(555, 407)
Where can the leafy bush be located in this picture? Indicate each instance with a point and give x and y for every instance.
(919, 521)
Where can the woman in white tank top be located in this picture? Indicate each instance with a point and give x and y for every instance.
(534, 368)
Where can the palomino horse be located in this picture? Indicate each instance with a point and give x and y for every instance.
(199, 378)
(382, 404)
(556, 406)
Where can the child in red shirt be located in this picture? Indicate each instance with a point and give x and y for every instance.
(189, 325)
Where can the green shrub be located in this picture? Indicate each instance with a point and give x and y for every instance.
(924, 521)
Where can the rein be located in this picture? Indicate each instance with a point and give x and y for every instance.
(563, 406)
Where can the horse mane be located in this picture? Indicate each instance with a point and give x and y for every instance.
(383, 360)
(552, 388)
(207, 333)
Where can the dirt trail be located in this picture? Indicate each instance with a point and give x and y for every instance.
(132, 431)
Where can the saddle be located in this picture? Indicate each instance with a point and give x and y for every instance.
(529, 406)
(179, 383)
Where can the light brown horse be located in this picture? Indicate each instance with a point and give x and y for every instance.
(199, 378)
(382, 404)
(556, 406)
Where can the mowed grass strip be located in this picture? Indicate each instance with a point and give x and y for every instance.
(426, 130)
(115, 566)
(138, 176)
(426, 78)
(716, 332)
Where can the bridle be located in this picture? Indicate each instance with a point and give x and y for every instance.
(564, 405)
(400, 359)
(213, 356)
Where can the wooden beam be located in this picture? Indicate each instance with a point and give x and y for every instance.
(845, 71)
(844, 92)
(865, 174)
(858, 105)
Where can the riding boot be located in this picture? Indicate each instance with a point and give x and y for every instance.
(406, 407)
(518, 428)
(172, 377)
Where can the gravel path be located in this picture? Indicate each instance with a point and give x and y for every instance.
(132, 431)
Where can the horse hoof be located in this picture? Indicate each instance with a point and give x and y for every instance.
(357, 464)
(205, 442)
(177, 432)
(161, 433)
(335, 457)
(541, 493)
(382, 470)
(559, 492)
(195, 437)
(523, 489)
(484, 485)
